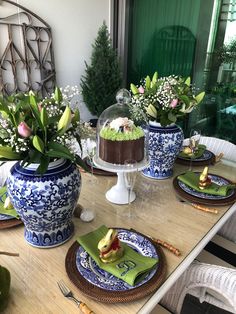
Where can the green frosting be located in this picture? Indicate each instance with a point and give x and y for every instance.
(111, 134)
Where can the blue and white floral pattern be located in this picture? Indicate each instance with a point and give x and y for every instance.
(5, 217)
(45, 203)
(207, 155)
(164, 146)
(102, 279)
(215, 179)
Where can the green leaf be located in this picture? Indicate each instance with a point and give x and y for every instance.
(81, 163)
(200, 97)
(134, 89)
(6, 152)
(76, 116)
(151, 111)
(59, 154)
(43, 167)
(35, 110)
(188, 81)
(60, 148)
(154, 78)
(58, 95)
(38, 143)
(64, 121)
(34, 156)
(172, 117)
(185, 99)
(44, 117)
(147, 82)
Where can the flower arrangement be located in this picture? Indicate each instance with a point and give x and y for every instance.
(37, 130)
(164, 99)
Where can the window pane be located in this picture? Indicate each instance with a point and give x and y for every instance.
(188, 38)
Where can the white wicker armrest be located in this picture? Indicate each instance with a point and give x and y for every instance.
(210, 283)
(228, 230)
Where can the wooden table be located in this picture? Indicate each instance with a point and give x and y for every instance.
(156, 212)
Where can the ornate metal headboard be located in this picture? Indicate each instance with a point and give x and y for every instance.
(26, 54)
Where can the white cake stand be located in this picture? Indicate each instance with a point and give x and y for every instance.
(119, 193)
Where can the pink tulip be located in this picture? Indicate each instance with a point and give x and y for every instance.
(174, 103)
(24, 130)
(141, 90)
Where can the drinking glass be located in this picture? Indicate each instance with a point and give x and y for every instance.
(88, 214)
(130, 175)
(194, 140)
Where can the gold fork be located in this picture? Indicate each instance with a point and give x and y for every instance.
(68, 294)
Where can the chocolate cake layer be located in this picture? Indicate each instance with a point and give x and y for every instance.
(116, 152)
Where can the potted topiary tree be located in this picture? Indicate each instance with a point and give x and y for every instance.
(102, 77)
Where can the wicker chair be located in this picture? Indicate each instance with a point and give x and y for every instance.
(209, 283)
(213, 284)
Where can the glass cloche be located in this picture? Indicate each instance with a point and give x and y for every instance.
(120, 137)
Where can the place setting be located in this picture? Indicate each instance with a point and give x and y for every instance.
(8, 216)
(203, 187)
(115, 265)
(195, 153)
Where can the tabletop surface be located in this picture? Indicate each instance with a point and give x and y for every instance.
(156, 212)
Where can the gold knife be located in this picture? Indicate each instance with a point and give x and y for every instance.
(200, 207)
(205, 209)
(166, 245)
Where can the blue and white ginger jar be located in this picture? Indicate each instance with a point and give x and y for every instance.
(45, 203)
(164, 146)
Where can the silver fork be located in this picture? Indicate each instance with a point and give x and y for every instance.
(68, 294)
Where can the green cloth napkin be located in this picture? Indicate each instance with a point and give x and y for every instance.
(192, 179)
(9, 212)
(131, 267)
(198, 153)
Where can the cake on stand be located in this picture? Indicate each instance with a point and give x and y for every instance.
(121, 148)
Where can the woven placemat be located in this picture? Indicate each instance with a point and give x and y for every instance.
(4, 224)
(109, 296)
(196, 162)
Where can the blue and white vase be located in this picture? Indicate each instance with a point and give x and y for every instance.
(164, 146)
(45, 203)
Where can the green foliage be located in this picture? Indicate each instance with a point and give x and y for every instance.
(102, 77)
(37, 130)
(165, 99)
(227, 53)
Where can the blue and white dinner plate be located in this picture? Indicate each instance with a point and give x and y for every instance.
(2, 200)
(215, 179)
(7, 221)
(188, 193)
(104, 287)
(5, 217)
(102, 279)
(207, 158)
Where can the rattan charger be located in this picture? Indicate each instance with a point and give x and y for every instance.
(108, 296)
